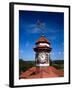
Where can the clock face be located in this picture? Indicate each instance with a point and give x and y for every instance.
(42, 57)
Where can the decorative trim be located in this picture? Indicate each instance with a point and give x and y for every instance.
(42, 65)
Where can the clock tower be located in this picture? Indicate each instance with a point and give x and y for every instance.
(42, 56)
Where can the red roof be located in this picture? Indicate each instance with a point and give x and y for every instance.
(42, 39)
(43, 73)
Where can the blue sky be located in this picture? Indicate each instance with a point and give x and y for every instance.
(29, 32)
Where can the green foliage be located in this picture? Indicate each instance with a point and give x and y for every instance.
(25, 65)
(59, 64)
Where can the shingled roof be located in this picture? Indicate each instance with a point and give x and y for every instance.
(42, 39)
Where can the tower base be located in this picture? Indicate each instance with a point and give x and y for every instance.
(41, 69)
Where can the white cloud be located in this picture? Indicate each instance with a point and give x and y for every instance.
(21, 51)
(27, 44)
(59, 53)
(53, 53)
(34, 28)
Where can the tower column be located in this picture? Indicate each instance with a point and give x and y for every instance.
(42, 55)
(48, 59)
